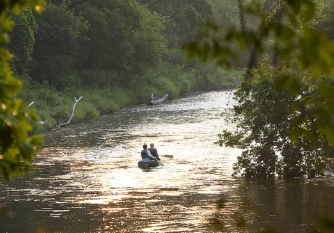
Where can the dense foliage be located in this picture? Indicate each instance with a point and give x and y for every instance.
(17, 147)
(103, 43)
(117, 51)
(267, 119)
(184, 17)
(284, 106)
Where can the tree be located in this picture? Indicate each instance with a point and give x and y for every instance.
(226, 13)
(324, 19)
(66, 32)
(266, 118)
(290, 142)
(148, 42)
(23, 40)
(185, 17)
(111, 26)
(17, 148)
(124, 39)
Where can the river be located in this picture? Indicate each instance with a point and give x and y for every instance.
(86, 179)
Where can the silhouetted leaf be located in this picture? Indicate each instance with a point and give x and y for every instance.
(294, 87)
(325, 90)
(281, 82)
(329, 131)
(308, 11)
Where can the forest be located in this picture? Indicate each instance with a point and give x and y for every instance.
(113, 53)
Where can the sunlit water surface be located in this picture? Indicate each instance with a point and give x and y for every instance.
(86, 179)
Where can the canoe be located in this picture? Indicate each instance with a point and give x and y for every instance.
(148, 164)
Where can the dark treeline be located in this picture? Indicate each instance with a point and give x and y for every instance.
(85, 42)
(123, 48)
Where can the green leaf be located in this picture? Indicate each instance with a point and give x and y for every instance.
(294, 86)
(295, 5)
(205, 52)
(212, 26)
(16, 149)
(192, 50)
(308, 11)
(241, 42)
(325, 90)
(281, 82)
(329, 132)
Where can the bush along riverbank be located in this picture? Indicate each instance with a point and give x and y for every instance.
(55, 107)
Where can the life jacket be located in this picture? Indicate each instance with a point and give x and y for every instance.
(144, 154)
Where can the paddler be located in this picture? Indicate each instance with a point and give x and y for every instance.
(146, 154)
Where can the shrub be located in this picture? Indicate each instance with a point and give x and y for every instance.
(85, 111)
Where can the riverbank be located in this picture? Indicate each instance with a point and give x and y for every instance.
(55, 106)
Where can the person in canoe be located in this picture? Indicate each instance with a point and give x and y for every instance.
(146, 154)
(154, 151)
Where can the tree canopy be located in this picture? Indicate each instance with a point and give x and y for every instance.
(284, 104)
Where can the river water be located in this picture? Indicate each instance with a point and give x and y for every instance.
(86, 179)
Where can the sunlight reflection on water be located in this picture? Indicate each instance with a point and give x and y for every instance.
(101, 160)
(87, 179)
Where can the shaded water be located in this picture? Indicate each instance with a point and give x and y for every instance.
(86, 179)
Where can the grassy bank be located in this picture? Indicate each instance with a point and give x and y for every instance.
(54, 106)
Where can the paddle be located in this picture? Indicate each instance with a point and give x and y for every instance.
(160, 163)
(167, 156)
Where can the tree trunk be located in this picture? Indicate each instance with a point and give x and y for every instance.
(69, 120)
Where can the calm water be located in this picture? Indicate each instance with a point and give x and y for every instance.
(86, 179)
